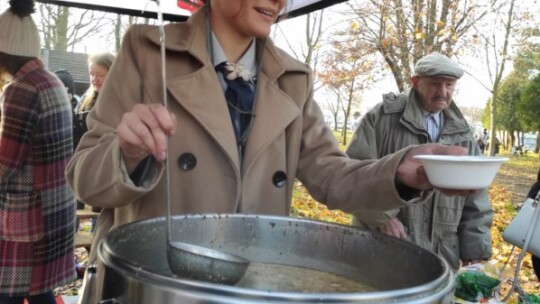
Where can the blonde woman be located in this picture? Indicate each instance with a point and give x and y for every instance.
(98, 68)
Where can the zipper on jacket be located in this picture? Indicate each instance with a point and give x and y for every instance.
(435, 199)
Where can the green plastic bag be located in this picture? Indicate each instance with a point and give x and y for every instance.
(473, 286)
(530, 299)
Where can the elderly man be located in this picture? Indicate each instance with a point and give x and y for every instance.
(456, 228)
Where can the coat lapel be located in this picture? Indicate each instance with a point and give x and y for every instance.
(413, 118)
(209, 109)
(274, 109)
(274, 112)
(175, 36)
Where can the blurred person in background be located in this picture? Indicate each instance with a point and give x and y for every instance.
(532, 194)
(456, 228)
(484, 141)
(98, 69)
(37, 207)
(67, 79)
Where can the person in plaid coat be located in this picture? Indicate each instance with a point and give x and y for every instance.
(37, 207)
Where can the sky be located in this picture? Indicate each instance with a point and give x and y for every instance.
(470, 92)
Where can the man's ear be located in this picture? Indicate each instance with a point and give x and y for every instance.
(414, 80)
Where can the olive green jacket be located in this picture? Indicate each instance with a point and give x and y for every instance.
(454, 227)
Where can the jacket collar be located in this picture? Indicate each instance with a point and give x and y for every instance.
(30, 66)
(454, 122)
(190, 36)
(186, 36)
(412, 116)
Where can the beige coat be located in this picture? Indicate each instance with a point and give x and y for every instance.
(288, 140)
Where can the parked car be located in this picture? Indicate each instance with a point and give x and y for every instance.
(529, 143)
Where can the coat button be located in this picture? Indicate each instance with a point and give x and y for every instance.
(279, 179)
(187, 162)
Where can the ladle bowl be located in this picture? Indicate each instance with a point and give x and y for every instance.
(205, 264)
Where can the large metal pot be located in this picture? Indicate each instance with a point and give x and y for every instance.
(136, 270)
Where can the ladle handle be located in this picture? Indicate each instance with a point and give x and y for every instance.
(165, 103)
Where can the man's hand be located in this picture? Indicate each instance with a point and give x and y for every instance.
(469, 262)
(394, 228)
(411, 173)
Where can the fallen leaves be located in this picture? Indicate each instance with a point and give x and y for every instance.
(510, 188)
(304, 206)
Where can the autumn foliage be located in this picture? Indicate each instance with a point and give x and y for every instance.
(506, 192)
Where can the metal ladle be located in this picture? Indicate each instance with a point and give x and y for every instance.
(188, 260)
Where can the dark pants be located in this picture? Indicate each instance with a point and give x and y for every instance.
(535, 189)
(45, 298)
(536, 266)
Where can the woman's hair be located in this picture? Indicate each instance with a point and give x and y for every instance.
(104, 60)
(288, 6)
(12, 63)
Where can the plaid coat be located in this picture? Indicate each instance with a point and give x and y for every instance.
(37, 208)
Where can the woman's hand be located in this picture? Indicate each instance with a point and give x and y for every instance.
(144, 131)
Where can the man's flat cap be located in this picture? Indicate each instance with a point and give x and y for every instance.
(436, 64)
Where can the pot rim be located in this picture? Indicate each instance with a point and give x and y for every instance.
(441, 285)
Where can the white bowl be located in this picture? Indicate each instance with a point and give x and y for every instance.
(460, 172)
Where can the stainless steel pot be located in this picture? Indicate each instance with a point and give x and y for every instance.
(136, 271)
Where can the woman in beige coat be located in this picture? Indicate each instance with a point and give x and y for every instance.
(119, 162)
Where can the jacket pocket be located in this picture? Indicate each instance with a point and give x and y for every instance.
(21, 218)
(449, 211)
(448, 248)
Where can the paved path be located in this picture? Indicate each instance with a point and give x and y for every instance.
(517, 180)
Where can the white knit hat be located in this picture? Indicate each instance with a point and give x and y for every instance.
(18, 35)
